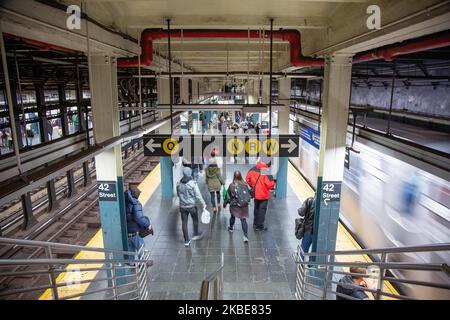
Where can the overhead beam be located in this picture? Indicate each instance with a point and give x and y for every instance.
(34, 20)
(228, 21)
(401, 20)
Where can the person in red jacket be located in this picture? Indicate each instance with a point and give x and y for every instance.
(262, 183)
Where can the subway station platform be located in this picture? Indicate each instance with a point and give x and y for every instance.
(262, 269)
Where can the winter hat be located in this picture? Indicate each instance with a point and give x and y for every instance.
(187, 171)
(135, 192)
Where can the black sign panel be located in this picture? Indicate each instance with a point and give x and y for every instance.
(161, 145)
(107, 190)
(239, 144)
(289, 145)
(331, 191)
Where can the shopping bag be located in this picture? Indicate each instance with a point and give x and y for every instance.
(206, 216)
(224, 192)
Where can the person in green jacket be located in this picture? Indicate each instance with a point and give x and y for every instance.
(215, 181)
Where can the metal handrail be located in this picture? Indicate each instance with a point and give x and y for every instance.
(408, 249)
(45, 244)
(215, 277)
(317, 272)
(126, 272)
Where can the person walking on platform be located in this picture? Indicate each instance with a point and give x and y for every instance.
(238, 197)
(261, 184)
(304, 231)
(189, 195)
(136, 221)
(214, 181)
(195, 165)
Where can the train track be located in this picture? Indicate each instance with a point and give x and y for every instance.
(75, 221)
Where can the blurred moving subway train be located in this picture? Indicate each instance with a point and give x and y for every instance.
(387, 202)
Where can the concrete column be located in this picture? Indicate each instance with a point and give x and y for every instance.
(109, 173)
(40, 102)
(163, 86)
(336, 96)
(184, 90)
(253, 91)
(265, 90)
(284, 94)
(194, 91)
(63, 108)
(19, 124)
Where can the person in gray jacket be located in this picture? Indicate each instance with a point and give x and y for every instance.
(189, 195)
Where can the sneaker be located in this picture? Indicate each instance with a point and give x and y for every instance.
(261, 229)
(197, 237)
(214, 210)
(187, 243)
(230, 229)
(245, 239)
(149, 263)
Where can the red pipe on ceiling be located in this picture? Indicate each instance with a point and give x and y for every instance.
(417, 45)
(148, 35)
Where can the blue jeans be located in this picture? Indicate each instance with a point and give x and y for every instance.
(135, 243)
(306, 243)
(195, 174)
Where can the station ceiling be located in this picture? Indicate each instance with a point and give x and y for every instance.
(321, 23)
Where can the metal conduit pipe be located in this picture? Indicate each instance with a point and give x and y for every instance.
(149, 35)
(389, 53)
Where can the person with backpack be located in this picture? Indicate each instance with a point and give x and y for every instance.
(189, 195)
(137, 222)
(305, 224)
(260, 184)
(215, 181)
(238, 197)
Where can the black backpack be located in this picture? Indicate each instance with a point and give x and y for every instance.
(300, 222)
(241, 194)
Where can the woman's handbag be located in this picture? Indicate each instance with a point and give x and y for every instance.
(143, 232)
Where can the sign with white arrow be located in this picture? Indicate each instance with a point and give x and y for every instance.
(331, 191)
(151, 145)
(249, 145)
(289, 146)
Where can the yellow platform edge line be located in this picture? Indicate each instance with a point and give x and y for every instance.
(147, 187)
(294, 172)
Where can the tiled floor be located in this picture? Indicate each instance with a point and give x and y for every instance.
(261, 269)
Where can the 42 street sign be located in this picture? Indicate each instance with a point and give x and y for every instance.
(224, 145)
(331, 191)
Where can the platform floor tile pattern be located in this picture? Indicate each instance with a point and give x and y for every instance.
(261, 269)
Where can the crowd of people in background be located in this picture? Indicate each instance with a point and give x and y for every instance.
(225, 124)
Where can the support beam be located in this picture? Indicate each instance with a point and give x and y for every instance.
(70, 183)
(163, 86)
(184, 90)
(28, 218)
(284, 95)
(63, 109)
(109, 163)
(194, 91)
(86, 174)
(336, 99)
(40, 102)
(51, 194)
